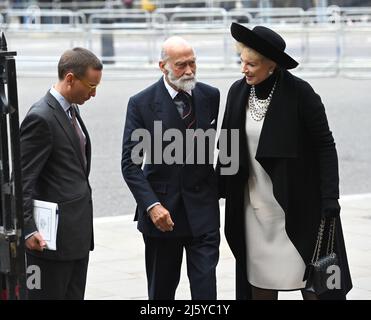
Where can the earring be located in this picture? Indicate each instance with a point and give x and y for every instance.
(270, 72)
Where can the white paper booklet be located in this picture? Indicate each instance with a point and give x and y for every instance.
(46, 219)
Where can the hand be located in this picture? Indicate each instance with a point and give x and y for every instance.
(330, 208)
(161, 218)
(36, 242)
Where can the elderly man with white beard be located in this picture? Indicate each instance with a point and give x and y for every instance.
(177, 203)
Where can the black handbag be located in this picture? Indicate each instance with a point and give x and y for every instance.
(317, 271)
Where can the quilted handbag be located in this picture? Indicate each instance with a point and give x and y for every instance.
(317, 271)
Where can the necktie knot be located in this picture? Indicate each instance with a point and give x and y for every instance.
(184, 100)
(72, 111)
(183, 96)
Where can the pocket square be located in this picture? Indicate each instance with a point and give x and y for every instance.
(212, 122)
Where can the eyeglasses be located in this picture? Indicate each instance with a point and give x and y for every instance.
(87, 84)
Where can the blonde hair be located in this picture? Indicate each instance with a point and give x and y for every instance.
(240, 47)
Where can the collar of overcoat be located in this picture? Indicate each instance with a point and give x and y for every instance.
(67, 127)
(165, 110)
(279, 134)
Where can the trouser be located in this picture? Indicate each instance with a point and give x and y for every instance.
(60, 280)
(164, 260)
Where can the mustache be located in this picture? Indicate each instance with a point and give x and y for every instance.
(187, 78)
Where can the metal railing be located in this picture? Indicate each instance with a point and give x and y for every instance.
(45, 20)
(57, 5)
(331, 39)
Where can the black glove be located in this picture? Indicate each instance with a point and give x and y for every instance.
(330, 208)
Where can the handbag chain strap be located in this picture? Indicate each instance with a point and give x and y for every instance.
(331, 239)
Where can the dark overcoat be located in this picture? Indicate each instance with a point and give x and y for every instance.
(297, 150)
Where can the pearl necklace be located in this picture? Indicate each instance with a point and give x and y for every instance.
(258, 107)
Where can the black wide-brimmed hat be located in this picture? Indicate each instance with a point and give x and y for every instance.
(265, 41)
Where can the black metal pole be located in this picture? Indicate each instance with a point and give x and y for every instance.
(12, 253)
(17, 203)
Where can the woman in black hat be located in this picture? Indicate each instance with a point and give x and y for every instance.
(288, 173)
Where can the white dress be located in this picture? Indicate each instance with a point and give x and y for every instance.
(272, 260)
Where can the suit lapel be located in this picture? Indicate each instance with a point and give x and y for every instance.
(201, 107)
(164, 108)
(66, 125)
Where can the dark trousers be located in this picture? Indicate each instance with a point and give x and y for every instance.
(164, 260)
(60, 280)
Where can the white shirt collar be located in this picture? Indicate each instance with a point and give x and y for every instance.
(62, 100)
(171, 90)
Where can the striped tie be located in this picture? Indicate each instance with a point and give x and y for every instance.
(184, 100)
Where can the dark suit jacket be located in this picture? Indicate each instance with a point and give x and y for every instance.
(52, 169)
(188, 191)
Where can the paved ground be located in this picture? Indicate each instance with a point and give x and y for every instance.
(117, 265)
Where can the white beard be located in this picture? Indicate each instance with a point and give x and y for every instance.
(185, 83)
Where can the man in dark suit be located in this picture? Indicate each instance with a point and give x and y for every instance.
(55, 156)
(177, 202)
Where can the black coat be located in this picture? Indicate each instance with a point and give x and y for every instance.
(297, 150)
(53, 170)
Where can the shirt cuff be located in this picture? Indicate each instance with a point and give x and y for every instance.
(30, 235)
(152, 205)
